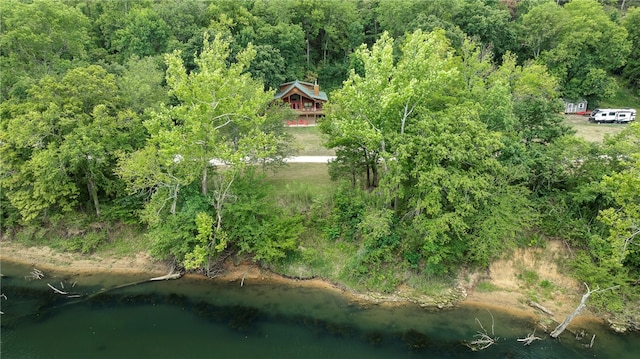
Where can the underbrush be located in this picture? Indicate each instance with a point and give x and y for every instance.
(84, 234)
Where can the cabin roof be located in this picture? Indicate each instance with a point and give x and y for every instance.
(304, 88)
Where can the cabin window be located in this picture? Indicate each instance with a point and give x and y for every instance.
(612, 113)
(623, 115)
(307, 105)
(295, 98)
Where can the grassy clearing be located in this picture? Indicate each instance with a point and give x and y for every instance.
(593, 132)
(308, 140)
(314, 175)
(318, 257)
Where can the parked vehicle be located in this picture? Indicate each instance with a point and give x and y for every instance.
(612, 115)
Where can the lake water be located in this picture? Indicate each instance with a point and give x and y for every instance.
(201, 318)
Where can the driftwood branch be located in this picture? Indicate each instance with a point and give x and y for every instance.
(80, 298)
(583, 303)
(34, 274)
(57, 290)
(166, 277)
(483, 339)
(171, 275)
(543, 309)
(529, 338)
(243, 276)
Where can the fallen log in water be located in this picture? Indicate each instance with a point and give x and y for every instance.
(529, 338)
(57, 290)
(583, 303)
(83, 298)
(166, 277)
(538, 306)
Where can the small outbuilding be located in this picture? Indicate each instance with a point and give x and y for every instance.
(575, 106)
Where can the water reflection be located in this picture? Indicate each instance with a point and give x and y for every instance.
(196, 318)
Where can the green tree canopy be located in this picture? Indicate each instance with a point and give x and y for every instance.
(60, 145)
(217, 129)
(580, 45)
(39, 38)
(439, 168)
(631, 71)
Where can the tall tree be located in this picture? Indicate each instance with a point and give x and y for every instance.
(440, 174)
(488, 21)
(214, 132)
(541, 28)
(404, 16)
(144, 34)
(141, 84)
(60, 144)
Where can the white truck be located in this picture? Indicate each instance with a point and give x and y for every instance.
(612, 115)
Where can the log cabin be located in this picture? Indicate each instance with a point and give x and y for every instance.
(305, 99)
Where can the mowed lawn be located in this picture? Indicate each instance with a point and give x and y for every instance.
(593, 132)
(308, 141)
(304, 179)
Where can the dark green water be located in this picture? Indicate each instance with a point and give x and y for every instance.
(198, 318)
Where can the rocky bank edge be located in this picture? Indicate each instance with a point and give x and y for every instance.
(508, 293)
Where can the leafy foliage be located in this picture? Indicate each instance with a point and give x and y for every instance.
(444, 119)
(257, 226)
(40, 38)
(60, 145)
(582, 44)
(448, 193)
(212, 136)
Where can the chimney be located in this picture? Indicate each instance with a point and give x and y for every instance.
(316, 88)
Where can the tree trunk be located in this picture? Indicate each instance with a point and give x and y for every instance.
(560, 328)
(174, 203)
(583, 303)
(374, 170)
(203, 182)
(93, 192)
(368, 176)
(326, 49)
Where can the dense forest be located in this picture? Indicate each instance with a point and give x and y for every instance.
(445, 117)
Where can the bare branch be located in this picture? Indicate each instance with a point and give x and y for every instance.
(34, 274)
(483, 339)
(529, 338)
(57, 290)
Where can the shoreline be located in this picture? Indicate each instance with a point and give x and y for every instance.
(47, 259)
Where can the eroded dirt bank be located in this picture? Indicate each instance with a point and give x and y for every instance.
(508, 285)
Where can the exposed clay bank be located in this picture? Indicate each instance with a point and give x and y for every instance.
(266, 317)
(310, 301)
